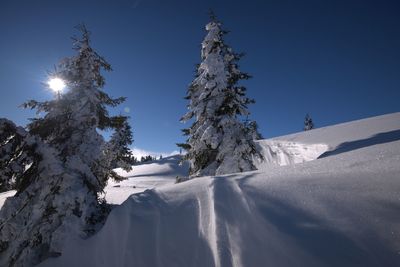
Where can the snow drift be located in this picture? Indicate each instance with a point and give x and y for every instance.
(341, 209)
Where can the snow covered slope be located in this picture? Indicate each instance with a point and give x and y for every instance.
(284, 150)
(342, 209)
(143, 176)
(146, 176)
(310, 145)
(339, 207)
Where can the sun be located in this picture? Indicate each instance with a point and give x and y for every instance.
(56, 84)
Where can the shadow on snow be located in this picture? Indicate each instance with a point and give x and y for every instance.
(380, 138)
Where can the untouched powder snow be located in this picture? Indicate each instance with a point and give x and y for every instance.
(342, 209)
(310, 145)
(381, 128)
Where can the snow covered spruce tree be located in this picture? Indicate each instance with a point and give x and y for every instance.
(218, 142)
(308, 123)
(59, 190)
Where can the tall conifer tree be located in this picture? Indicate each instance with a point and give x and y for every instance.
(218, 142)
(67, 165)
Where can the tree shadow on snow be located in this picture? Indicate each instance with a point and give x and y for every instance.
(158, 174)
(316, 237)
(380, 138)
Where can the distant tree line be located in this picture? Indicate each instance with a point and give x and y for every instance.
(134, 160)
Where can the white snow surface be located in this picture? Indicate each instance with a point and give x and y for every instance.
(144, 176)
(340, 206)
(283, 153)
(5, 195)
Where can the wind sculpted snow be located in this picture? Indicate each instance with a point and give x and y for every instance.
(341, 210)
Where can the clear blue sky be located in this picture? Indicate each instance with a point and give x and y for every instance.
(338, 60)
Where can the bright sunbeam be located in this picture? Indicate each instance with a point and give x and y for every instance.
(56, 84)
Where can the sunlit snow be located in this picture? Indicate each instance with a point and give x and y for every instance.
(333, 202)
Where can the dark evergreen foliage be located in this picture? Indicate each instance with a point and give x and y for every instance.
(16, 157)
(61, 164)
(308, 123)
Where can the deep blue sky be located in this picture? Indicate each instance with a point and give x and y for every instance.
(339, 60)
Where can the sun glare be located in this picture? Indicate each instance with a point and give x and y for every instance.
(56, 84)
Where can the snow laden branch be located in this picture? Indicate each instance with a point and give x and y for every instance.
(14, 159)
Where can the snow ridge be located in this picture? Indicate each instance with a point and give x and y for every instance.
(284, 153)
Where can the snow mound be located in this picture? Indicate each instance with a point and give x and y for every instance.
(285, 153)
(339, 210)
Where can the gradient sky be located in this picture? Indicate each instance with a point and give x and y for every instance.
(338, 60)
